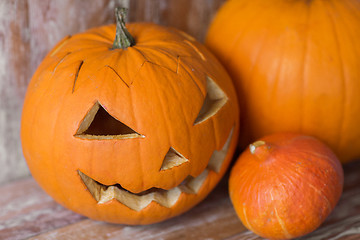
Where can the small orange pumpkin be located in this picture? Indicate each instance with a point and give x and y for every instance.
(295, 65)
(285, 185)
(133, 132)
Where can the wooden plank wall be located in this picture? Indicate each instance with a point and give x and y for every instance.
(29, 29)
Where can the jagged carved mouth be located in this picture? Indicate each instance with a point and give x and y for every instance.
(167, 198)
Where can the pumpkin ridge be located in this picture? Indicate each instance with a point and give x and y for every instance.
(214, 163)
(282, 224)
(237, 39)
(343, 79)
(247, 223)
(53, 135)
(103, 37)
(164, 111)
(321, 194)
(242, 87)
(133, 113)
(195, 49)
(177, 64)
(191, 77)
(304, 68)
(41, 96)
(183, 114)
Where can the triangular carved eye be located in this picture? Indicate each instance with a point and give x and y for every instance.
(99, 124)
(215, 99)
(172, 159)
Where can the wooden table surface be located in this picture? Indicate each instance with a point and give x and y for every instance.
(26, 212)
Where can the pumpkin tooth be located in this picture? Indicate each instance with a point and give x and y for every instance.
(93, 187)
(195, 183)
(184, 188)
(107, 195)
(218, 157)
(168, 198)
(192, 45)
(133, 201)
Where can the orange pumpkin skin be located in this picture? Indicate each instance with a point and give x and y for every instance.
(157, 88)
(295, 67)
(286, 186)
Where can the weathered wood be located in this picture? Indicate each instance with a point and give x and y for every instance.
(14, 71)
(28, 212)
(192, 17)
(19, 223)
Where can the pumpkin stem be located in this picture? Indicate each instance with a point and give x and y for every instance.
(123, 38)
(255, 145)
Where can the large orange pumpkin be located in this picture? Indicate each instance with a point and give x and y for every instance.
(295, 65)
(135, 132)
(285, 185)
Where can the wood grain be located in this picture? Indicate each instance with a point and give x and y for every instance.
(14, 71)
(27, 212)
(30, 28)
(192, 17)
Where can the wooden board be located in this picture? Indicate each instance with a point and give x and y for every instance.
(28, 213)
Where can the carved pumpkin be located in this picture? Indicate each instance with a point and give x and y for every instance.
(135, 132)
(295, 65)
(285, 185)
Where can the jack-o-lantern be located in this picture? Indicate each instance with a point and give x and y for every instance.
(135, 131)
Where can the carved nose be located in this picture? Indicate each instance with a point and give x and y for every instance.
(172, 159)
